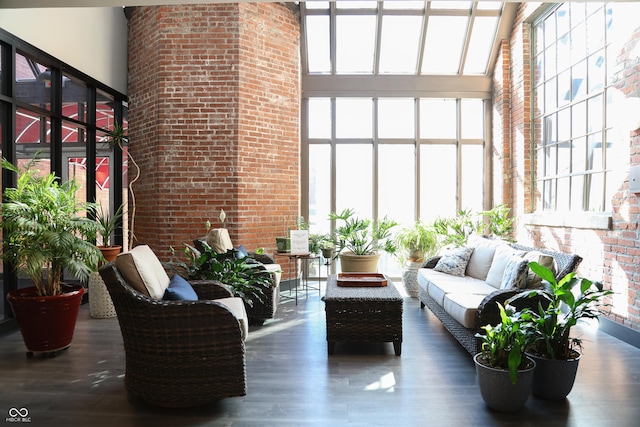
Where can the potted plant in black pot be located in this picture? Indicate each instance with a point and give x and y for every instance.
(557, 353)
(360, 240)
(47, 234)
(504, 372)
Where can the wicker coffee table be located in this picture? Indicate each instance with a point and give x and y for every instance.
(363, 314)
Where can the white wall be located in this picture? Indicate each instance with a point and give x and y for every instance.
(91, 39)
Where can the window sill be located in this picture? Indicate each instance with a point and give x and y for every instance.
(587, 220)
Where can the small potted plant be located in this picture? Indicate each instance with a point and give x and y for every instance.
(417, 242)
(553, 348)
(504, 372)
(46, 235)
(360, 240)
(106, 227)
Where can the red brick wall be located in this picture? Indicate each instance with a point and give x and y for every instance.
(612, 256)
(214, 121)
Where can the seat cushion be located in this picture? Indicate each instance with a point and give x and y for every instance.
(463, 308)
(179, 290)
(441, 284)
(143, 271)
(236, 306)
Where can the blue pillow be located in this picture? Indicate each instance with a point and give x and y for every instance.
(179, 289)
(241, 252)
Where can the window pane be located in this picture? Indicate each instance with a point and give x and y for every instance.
(400, 4)
(399, 44)
(319, 187)
(33, 82)
(437, 181)
(319, 118)
(442, 54)
(354, 187)
(472, 118)
(354, 117)
(480, 44)
(31, 128)
(74, 94)
(396, 118)
(317, 30)
(472, 177)
(355, 40)
(396, 185)
(437, 118)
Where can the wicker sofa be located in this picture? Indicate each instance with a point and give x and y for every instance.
(494, 272)
(179, 353)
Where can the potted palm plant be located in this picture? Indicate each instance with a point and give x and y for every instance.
(106, 227)
(557, 353)
(47, 234)
(504, 372)
(360, 240)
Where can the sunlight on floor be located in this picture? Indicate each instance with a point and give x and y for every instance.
(386, 383)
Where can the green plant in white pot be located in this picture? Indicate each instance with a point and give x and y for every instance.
(360, 240)
(417, 242)
(47, 234)
(553, 348)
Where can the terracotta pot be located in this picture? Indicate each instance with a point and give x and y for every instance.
(351, 263)
(110, 252)
(47, 323)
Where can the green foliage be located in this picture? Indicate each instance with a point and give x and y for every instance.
(46, 234)
(363, 236)
(503, 345)
(107, 223)
(456, 231)
(246, 279)
(417, 242)
(550, 327)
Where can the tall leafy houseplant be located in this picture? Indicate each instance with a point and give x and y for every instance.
(118, 137)
(556, 352)
(47, 234)
(417, 242)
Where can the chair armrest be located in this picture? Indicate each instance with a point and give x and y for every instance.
(211, 289)
(489, 313)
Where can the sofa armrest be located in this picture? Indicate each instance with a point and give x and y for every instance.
(489, 313)
(431, 262)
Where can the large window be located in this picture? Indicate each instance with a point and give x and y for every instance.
(49, 108)
(574, 59)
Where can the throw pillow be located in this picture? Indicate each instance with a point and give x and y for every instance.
(179, 289)
(143, 271)
(455, 261)
(500, 260)
(515, 273)
(533, 280)
(240, 252)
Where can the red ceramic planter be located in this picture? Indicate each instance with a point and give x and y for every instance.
(47, 323)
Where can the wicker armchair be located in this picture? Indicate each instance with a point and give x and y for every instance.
(179, 353)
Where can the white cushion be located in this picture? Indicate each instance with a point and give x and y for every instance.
(463, 308)
(454, 261)
(480, 261)
(142, 269)
(441, 284)
(501, 258)
(236, 306)
(218, 239)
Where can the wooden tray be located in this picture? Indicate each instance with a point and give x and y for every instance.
(361, 279)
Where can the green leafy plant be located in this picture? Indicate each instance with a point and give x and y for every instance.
(550, 326)
(363, 236)
(46, 233)
(497, 222)
(246, 279)
(417, 242)
(107, 223)
(504, 345)
(456, 230)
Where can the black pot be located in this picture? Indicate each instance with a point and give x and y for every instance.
(554, 379)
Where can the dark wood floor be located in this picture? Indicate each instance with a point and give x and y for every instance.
(292, 381)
